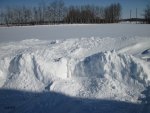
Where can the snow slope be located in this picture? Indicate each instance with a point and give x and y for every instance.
(81, 75)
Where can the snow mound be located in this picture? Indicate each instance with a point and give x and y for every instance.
(101, 75)
(122, 67)
(75, 67)
(27, 71)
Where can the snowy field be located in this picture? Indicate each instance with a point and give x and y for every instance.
(74, 68)
(54, 32)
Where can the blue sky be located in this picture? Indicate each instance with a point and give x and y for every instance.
(127, 5)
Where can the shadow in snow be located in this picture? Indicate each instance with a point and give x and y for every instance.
(14, 101)
(146, 100)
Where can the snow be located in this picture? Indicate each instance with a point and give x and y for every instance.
(101, 73)
(53, 32)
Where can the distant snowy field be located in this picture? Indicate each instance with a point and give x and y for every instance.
(55, 32)
(74, 68)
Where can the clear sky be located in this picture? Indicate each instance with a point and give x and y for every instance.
(127, 5)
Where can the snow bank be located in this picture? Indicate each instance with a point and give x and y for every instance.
(124, 68)
(80, 68)
(110, 68)
(110, 72)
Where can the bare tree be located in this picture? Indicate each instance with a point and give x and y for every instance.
(42, 7)
(8, 16)
(35, 15)
(113, 13)
(147, 14)
(2, 15)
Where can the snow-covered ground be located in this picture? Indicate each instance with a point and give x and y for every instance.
(53, 32)
(88, 69)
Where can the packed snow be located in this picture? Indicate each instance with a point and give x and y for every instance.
(100, 74)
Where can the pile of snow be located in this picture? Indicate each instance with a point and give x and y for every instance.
(112, 65)
(87, 73)
(75, 67)
(29, 72)
(111, 75)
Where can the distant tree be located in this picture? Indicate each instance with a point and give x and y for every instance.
(57, 11)
(40, 15)
(147, 14)
(48, 14)
(73, 15)
(112, 13)
(87, 14)
(119, 11)
(8, 16)
(2, 17)
(99, 12)
(61, 10)
(42, 11)
(107, 14)
(26, 15)
(35, 15)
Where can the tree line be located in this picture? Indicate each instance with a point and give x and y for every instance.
(94, 14)
(56, 12)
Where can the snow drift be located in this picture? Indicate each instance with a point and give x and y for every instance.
(101, 75)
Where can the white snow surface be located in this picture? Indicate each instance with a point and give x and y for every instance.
(105, 68)
(53, 32)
